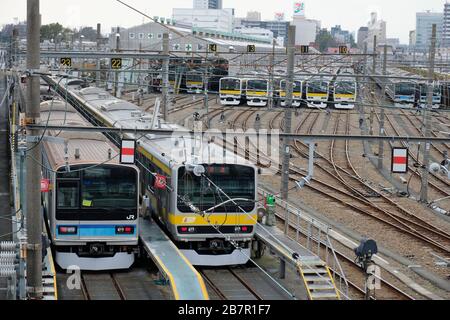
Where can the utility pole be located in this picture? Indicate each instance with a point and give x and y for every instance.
(34, 158)
(165, 76)
(116, 74)
(427, 119)
(382, 115)
(288, 122)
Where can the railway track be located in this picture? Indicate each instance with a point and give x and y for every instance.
(394, 291)
(241, 284)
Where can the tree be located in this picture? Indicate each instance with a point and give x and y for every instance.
(52, 31)
(89, 33)
(325, 40)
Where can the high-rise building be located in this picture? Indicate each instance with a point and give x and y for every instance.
(363, 33)
(211, 19)
(412, 39)
(207, 4)
(280, 29)
(446, 26)
(253, 16)
(424, 23)
(376, 28)
(306, 30)
(341, 36)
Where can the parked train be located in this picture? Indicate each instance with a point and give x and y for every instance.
(344, 90)
(200, 178)
(234, 91)
(317, 91)
(91, 207)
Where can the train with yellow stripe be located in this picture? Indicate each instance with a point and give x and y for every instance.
(344, 91)
(235, 91)
(203, 195)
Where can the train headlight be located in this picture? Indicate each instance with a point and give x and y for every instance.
(124, 230)
(68, 230)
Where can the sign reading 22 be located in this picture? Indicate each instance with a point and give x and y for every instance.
(116, 63)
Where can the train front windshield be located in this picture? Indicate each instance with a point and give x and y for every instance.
(257, 85)
(230, 84)
(345, 87)
(318, 87)
(405, 89)
(236, 181)
(99, 193)
(297, 86)
(195, 77)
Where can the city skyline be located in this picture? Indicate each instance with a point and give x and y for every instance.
(85, 13)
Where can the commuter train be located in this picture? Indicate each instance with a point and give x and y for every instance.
(194, 208)
(91, 207)
(257, 92)
(437, 95)
(231, 91)
(403, 93)
(235, 91)
(297, 93)
(344, 92)
(194, 81)
(317, 92)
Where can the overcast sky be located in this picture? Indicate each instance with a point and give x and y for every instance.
(351, 14)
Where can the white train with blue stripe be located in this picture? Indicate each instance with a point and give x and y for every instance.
(92, 206)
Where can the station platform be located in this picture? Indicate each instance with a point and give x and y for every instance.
(185, 281)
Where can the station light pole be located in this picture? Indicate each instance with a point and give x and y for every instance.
(34, 158)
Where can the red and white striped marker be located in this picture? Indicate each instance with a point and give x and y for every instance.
(399, 160)
(127, 152)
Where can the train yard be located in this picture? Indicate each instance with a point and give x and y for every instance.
(240, 176)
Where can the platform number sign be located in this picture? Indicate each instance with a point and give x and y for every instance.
(304, 49)
(399, 160)
(251, 48)
(66, 62)
(116, 63)
(343, 50)
(127, 152)
(212, 47)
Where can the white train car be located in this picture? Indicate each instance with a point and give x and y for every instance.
(195, 206)
(232, 91)
(344, 92)
(257, 92)
(92, 206)
(317, 92)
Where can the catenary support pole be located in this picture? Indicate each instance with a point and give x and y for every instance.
(33, 180)
(165, 77)
(382, 115)
(286, 152)
(427, 118)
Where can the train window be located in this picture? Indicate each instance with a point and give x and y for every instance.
(109, 187)
(68, 194)
(236, 181)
